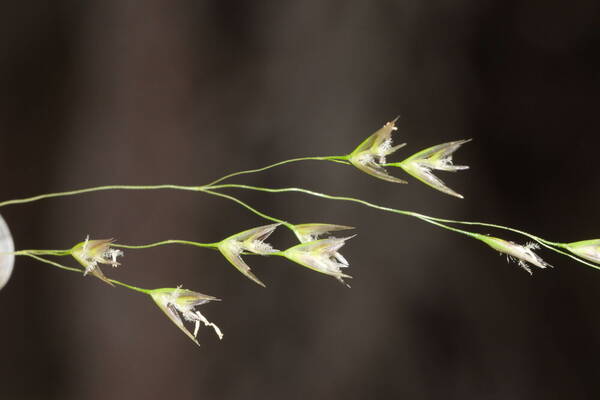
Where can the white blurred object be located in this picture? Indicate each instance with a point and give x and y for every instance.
(7, 261)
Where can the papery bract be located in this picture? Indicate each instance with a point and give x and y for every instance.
(321, 255)
(313, 231)
(177, 303)
(522, 255)
(437, 157)
(587, 249)
(251, 240)
(90, 253)
(371, 154)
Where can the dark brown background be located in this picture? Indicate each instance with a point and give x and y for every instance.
(151, 92)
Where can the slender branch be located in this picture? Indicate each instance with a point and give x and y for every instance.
(134, 288)
(506, 228)
(318, 194)
(352, 199)
(432, 220)
(95, 189)
(165, 242)
(55, 264)
(337, 159)
(116, 282)
(43, 252)
(247, 206)
(441, 222)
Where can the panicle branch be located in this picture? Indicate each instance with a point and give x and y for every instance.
(316, 248)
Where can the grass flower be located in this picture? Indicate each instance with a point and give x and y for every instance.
(252, 241)
(177, 303)
(321, 255)
(522, 255)
(311, 232)
(587, 249)
(90, 253)
(437, 157)
(7, 258)
(370, 155)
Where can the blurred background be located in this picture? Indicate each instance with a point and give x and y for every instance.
(125, 92)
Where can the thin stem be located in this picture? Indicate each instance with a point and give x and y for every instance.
(116, 282)
(432, 220)
(352, 199)
(543, 243)
(554, 246)
(337, 159)
(96, 189)
(388, 209)
(247, 206)
(125, 285)
(43, 252)
(318, 194)
(165, 242)
(450, 228)
(44, 260)
(506, 228)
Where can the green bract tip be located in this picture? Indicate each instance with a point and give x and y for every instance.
(176, 301)
(370, 155)
(438, 157)
(587, 249)
(251, 240)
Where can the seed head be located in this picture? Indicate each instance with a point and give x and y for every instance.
(587, 249)
(251, 240)
(90, 253)
(370, 155)
(522, 255)
(177, 303)
(321, 255)
(310, 232)
(437, 157)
